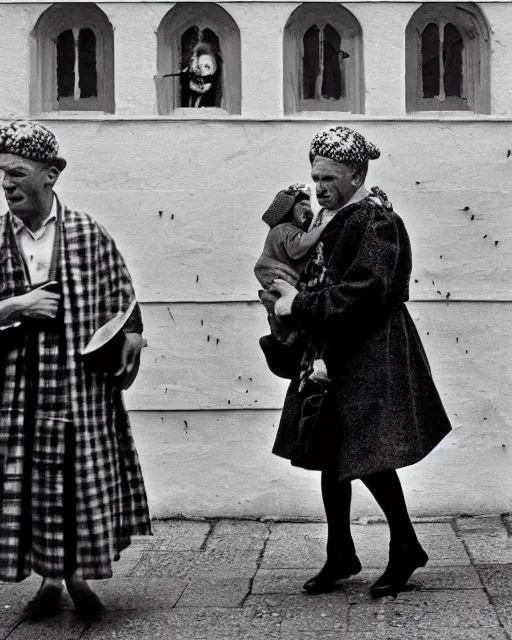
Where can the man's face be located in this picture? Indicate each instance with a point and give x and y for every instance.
(25, 183)
(302, 214)
(335, 182)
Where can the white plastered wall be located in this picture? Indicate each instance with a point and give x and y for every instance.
(217, 177)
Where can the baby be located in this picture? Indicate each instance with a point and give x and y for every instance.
(285, 253)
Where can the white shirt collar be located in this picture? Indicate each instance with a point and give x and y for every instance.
(359, 195)
(19, 225)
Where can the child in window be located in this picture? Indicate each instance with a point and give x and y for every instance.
(285, 253)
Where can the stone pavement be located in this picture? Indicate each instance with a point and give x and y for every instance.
(241, 580)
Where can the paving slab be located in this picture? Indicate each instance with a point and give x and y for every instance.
(284, 581)
(469, 609)
(301, 612)
(126, 564)
(295, 546)
(180, 535)
(497, 578)
(288, 548)
(489, 549)
(127, 594)
(244, 528)
(412, 633)
(482, 525)
(64, 627)
(503, 607)
(166, 564)
(176, 624)
(242, 580)
(216, 592)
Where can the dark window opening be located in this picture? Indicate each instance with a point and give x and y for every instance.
(430, 61)
(452, 59)
(323, 71)
(66, 64)
(333, 85)
(88, 80)
(201, 84)
(311, 62)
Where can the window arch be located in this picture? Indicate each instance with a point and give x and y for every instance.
(448, 59)
(323, 60)
(198, 37)
(74, 59)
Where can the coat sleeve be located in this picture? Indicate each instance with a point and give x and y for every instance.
(364, 289)
(298, 244)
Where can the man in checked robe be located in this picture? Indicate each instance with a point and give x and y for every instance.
(71, 488)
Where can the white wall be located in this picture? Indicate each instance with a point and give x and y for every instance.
(216, 176)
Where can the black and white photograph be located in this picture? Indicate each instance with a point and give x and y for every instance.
(256, 320)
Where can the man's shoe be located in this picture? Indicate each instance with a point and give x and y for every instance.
(403, 561)
(334, 569)
(45, 603)
(89, 607)
(87, 604)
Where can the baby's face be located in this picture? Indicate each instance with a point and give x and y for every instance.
(302, 214)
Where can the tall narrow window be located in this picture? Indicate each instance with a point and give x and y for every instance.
(87, 72)
(448, 59)
(77, 77)
(65, 64)
(199, 60)
(323, 60)
(200, 50)
(322, 64)
(75, 59)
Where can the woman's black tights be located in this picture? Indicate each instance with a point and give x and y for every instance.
(386, 489)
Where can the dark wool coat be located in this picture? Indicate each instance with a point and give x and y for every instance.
(383, 410)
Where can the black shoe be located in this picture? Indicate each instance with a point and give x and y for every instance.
(333, 570)
(403, 561)
(87, 604)
(45, 604)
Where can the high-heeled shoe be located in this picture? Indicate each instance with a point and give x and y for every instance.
(336, 568)
(403, 561)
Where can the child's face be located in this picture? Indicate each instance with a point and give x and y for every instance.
(302, 214)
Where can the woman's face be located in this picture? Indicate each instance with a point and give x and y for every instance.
(302, 214)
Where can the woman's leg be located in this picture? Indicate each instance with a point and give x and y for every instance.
(405, 552)
(387, 491)
(337, 497)
(342, 561)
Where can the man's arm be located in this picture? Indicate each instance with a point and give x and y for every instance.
(37, 304)
(366, 286)
(10, 311)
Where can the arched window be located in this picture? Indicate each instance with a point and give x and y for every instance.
(323, 60)
(448, 59)
(199, 59)
(74, 60)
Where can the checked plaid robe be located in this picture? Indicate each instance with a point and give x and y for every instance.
(71, 488)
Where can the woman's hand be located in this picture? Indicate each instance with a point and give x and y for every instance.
(287, 293)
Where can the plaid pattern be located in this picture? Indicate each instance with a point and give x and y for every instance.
(82, 453)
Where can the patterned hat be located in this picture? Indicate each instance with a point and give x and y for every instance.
(30, 140)
(284, 202)
(343, 145)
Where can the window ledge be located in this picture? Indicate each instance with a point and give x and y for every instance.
(427, 116)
